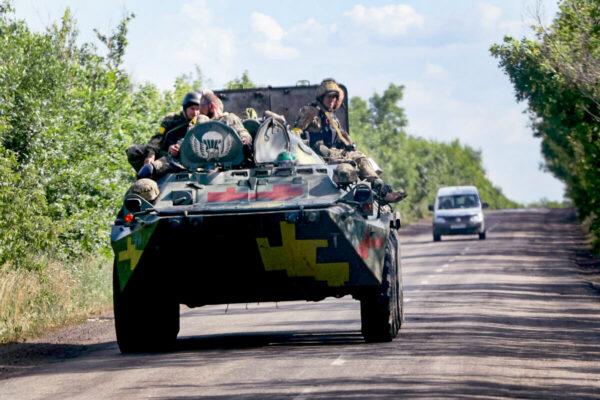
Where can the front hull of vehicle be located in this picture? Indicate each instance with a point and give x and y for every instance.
(276, 256)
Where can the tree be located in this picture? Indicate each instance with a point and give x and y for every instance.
(558, 75)
(417, 165)
(243, 82)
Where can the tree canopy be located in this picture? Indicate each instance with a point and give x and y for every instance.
(417, 165)
(558, 75)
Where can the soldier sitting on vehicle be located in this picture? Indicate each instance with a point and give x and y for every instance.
(212, 107)
(207, 106)
(317, 122)
(151, 158)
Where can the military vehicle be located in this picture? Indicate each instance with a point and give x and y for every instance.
(284, 227)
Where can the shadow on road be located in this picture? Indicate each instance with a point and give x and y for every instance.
(263, 339)
(534, 332)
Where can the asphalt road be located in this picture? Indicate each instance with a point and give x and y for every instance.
(516, 315)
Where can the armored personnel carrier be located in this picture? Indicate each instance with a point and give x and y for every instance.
(222, 230)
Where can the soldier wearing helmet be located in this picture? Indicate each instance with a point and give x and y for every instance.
(317, 122)
(211, 108)
(173, 128)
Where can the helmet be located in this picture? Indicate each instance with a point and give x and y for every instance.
(189, 99)
(326, 86)
(145, 188)
(286, 158)
(330, 85)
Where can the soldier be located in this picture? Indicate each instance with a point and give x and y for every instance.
(172, 128)
(318, 122)
(212, 108)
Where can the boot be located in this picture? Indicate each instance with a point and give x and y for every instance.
(146, 171)
(386, 192)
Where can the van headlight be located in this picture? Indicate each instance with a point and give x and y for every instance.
(477, 217)
(439, 220)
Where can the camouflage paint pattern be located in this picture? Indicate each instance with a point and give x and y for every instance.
(299, 258)
(129, 249)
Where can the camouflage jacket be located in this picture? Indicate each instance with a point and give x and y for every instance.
(235, 122)
(322, 128)
(173, 127)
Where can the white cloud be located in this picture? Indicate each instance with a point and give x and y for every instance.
(389, 20)
(311, 32)
(266, 25)
(206, 42)
(270, 44)
(492, 20)
(435, 71)
(489, 14)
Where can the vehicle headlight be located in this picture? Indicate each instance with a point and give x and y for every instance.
(439, 220)
(477, 218)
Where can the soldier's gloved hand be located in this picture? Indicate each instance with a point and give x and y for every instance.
(146, 171)
(350, 147)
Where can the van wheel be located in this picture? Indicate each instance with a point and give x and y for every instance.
(482, 236)
(437, 238)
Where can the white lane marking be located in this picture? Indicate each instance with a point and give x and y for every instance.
(424, 282)
(451, 260)
(445, 266)
(407, 300)
(304, 393)
(339, 361)
(439, 270)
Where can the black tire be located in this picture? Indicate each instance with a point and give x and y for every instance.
(382, 311)
(437, 238)
(482, 236)
(146, 320)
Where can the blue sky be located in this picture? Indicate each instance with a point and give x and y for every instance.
(437, 49)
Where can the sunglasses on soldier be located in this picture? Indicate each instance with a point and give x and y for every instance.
(333, 95)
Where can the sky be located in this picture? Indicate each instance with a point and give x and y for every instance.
(438, 50)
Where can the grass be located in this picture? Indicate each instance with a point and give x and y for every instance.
(32, 302)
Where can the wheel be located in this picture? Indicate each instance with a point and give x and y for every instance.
(145, 320)
(482, 236)
(437, 238)
(381, 311)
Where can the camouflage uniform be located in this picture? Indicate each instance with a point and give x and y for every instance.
(233, 121)
(328, 139)
(172, 128)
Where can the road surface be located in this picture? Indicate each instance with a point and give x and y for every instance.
(516, 315)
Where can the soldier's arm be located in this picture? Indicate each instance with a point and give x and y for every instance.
(153, 146)
(236, 123)
(306, 116)
(155, 143)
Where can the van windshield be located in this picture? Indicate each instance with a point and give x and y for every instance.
(458, 201)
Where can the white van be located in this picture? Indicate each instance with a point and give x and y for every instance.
(458, 211)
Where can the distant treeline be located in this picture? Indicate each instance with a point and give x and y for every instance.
(558, 75)
(417, 165)
(68, 111)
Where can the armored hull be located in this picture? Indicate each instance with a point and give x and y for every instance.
(275, 255)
